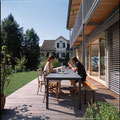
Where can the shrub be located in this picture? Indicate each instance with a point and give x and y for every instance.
(64, 60)
(43, 62)
(56, 63)
(20, 67)
(101, 111)
(6, 68)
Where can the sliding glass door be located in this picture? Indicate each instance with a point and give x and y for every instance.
(94, 59)
(102, 59)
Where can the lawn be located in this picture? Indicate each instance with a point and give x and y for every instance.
(18, 80)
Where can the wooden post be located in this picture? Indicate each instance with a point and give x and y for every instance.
(83, 45)
(99, 58)
(90, 59)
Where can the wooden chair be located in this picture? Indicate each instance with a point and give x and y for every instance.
(40, 80)
(53, 86)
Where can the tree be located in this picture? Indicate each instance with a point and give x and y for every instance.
(31, 49)
(12, 37)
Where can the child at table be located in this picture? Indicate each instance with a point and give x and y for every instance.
(49, 69)
(79, 68)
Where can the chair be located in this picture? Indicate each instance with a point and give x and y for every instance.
(40, 80)
(53, 86)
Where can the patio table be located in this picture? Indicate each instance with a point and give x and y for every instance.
(70, 75)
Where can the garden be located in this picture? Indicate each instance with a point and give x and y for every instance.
(20, 56)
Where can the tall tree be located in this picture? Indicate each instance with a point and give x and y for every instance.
(12, 37)
(31, 49)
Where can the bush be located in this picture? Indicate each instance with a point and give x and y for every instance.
(20, 67)
(64, 60)
(43, 62)
(101, 111)
(56, 63)
(6, 68)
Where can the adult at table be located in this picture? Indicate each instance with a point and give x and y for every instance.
(49, 69)
(77, 66)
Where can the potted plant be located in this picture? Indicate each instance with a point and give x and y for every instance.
(5, 72)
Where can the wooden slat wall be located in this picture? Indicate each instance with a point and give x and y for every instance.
(114, 57)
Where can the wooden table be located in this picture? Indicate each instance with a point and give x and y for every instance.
(70, 75)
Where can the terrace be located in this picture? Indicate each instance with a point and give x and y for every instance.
(27, 105)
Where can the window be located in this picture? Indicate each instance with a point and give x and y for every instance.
(68, 46)
(57, 55)
(57, 45)
(102, 59)
(47, 54)
(61, 44)
(67, 55)
(94, 59)
(63, 55)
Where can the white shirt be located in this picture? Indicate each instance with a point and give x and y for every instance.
(51, 67)
(46, 67)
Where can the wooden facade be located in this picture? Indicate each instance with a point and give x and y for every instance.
(92, 21)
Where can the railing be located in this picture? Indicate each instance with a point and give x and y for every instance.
(89, 7)
(77, 25)
(85, 12)
(87, 4)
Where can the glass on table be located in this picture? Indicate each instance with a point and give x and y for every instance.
(63, 69)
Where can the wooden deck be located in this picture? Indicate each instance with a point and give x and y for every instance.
(25, 104)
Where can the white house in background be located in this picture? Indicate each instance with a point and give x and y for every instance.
(60, 46)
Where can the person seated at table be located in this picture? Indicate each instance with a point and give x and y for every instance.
(78, 68)
(49, 69)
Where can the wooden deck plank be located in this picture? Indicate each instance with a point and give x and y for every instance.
(27, 105)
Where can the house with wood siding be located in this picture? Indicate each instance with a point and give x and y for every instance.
(95, 37)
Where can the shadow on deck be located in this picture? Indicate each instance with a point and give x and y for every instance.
(18, 112)
(24, 104)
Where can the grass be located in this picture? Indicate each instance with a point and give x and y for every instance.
(18, 80)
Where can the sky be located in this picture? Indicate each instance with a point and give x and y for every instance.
(47, 17)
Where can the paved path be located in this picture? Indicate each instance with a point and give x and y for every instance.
(25, 104)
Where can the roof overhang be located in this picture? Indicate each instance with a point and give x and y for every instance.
(73, 9)
(99, 15)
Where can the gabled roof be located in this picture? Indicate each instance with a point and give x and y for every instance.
(48, 45)
(62, 38)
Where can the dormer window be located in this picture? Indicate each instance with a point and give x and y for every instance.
(61, 44)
